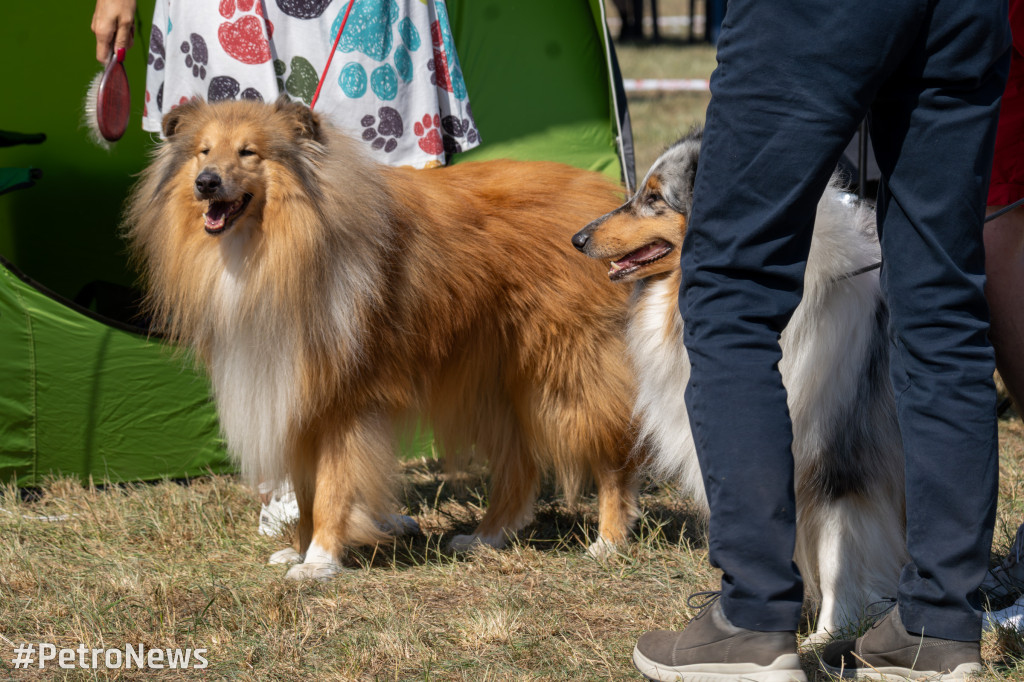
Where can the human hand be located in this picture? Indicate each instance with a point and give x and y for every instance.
(113, 22)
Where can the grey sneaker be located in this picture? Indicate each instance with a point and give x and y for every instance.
(711, 649)
(1008, 577)
(888, 651)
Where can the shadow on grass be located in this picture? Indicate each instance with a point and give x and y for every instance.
(449, 504)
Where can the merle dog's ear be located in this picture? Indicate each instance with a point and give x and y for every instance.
(683, 170)
(305, 122)
(173, 119)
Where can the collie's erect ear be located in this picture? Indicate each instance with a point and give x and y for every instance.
(172, 119)
(307, 124)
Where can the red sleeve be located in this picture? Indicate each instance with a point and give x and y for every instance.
(1017, 25)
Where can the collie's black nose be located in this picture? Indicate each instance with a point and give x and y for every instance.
(207, 183)
(580, 239)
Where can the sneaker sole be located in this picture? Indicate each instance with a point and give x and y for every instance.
(785, 668)
(961, 672)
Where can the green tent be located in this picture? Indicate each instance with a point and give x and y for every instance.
(87, 396)
(82, 392)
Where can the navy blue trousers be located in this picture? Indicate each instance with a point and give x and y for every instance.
(793, 82)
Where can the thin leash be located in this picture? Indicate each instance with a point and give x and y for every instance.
(330, 57)
(1003, 210)
(860, 271)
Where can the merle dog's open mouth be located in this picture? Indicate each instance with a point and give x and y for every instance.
(635, 260)
(220, 213)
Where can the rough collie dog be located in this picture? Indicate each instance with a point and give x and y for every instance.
(330, 298)
(847, 446)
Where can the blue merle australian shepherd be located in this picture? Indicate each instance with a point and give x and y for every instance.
(847, 448)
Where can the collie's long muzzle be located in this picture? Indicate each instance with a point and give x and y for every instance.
(221, 212)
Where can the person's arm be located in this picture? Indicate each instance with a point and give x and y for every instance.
(1017, 24)
(113, 22)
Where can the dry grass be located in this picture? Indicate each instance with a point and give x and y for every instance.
(661, 118)
(173, 565)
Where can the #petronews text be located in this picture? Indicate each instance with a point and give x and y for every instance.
(27, 655)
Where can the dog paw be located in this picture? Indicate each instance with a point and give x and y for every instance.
(399, 524)
(288, 556)
(602, 549)
(314, 571)
(816, 639)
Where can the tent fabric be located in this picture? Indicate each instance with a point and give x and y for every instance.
(85, 398)
(541, 80)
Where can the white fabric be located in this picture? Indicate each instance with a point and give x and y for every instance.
(395, 81)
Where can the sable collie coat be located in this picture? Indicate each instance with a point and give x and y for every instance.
(846, 442)
(330, 298)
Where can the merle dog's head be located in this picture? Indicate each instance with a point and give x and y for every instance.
(642, 237)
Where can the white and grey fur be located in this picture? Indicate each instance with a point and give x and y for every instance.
(847, 447)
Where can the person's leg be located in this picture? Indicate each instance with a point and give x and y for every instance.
(794, 81)
(933, 128)
(1004, 272)
(1004, 283)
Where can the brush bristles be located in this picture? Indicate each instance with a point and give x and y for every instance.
(89, 113)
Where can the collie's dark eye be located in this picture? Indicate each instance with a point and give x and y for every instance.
(204, 152)
(652, 198)
(245, 152)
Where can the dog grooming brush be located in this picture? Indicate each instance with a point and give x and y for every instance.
(107, 104)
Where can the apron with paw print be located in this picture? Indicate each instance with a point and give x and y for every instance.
(395, 81)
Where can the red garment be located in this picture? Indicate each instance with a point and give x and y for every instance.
(1007, 185)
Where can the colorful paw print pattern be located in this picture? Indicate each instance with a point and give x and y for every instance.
(383, 81)
(369, 29)
(246, 39)
(428, 130)
(196, 55)
(457, 132)
(301, 82)
(445, 134)
(303, 9)
(446, 62)
(226, 87)
(157, 52)
(383, 131)
(395, 80)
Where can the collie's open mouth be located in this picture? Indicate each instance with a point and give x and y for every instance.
(220, 213)
(632, 262)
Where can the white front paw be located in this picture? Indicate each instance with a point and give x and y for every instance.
(288, 555)
(816, 639)
(314, 571)
(602, 548)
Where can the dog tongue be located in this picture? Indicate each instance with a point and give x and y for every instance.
(641, 254)
(216, 214)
